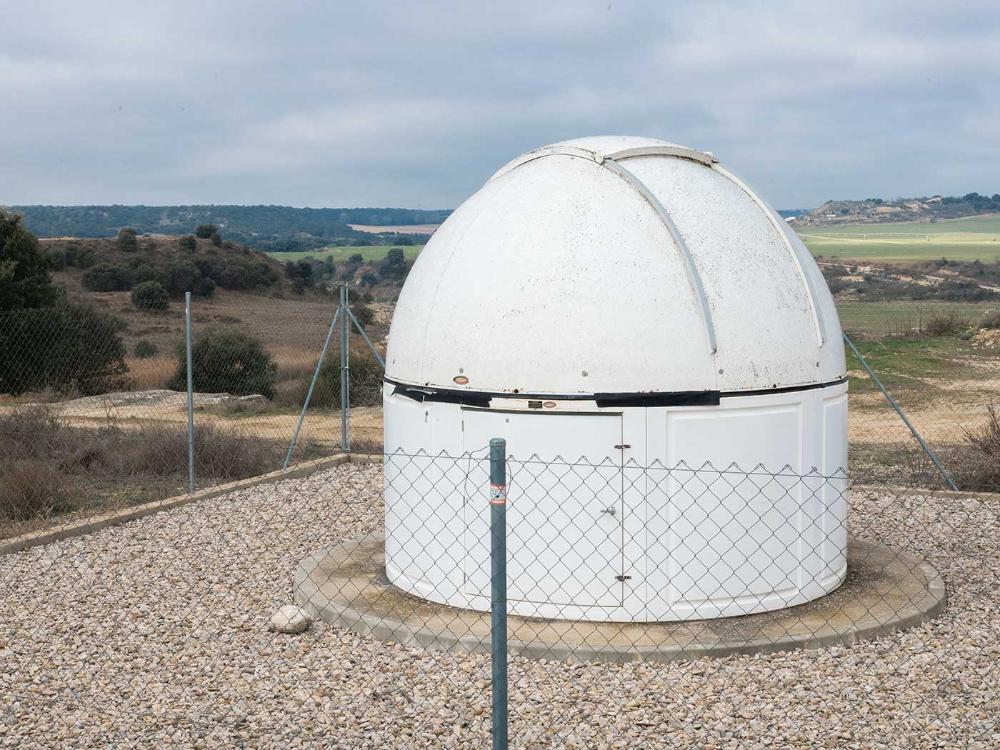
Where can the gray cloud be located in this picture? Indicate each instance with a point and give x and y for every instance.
(415, 104)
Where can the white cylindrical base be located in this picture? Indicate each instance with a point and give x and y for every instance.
(708, 511)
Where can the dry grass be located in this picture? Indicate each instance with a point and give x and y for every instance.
(151, 373)
(32, 488)
(48, 467)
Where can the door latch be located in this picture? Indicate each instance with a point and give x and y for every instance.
(610, 511)
(622, 579)
(623, 446)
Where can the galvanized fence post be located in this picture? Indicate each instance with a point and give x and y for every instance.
(312, 386)
(899, 411)
(345, 364)
(498, 589)
(190, 389)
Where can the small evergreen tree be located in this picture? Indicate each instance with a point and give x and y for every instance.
(227, 361)
(24, 270)
(127, 240)
(150, 295)
(108, 277)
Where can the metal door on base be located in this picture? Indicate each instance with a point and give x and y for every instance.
(564, 512)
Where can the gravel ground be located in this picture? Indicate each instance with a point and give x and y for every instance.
(155, 634)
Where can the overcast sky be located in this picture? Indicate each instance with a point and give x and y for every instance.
(414, 104)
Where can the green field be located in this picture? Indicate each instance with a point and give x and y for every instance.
(975, 237)
(340, 254)
(904, 318)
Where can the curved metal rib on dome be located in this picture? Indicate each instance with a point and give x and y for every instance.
(609, 162)
(694, 279)
(792, 250)
(568, 149)
(678, 152)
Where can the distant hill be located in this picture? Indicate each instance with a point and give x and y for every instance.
(789, 213)
(273, 228)
(878, 211)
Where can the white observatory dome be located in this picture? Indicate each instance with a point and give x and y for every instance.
(610, 265)
(628, 298)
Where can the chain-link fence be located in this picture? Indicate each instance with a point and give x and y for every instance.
(940, 364)
(647, 605)
(156, 633)
(95, 413)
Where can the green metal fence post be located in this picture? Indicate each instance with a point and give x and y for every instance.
(190, 389)
(345, 378)
(498, 589)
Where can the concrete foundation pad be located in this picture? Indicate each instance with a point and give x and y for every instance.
(885, 591)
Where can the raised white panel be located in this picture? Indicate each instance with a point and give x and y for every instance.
(835, 485)
(733, 509)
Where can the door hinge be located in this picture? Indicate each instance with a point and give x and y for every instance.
(622, 446)
(622, 579)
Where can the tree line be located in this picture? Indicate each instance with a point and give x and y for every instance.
(264, 227)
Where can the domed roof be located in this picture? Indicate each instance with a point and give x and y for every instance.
(620, 265)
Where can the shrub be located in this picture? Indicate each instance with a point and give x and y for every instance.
(150, 295)
(187, 244)
(837, 284)
(944, 324)
(204, 287)
(234, 277)
(56, 258)
(81, 257)
(363, 313)
(33, 488)
(180, 276)
(394, 265)
(979, 469)
(216, 239)
(70, 346)
(990, 320)
(301, 270)
(368, 279)
(243, 271)
(145, 272)
(227, 361)
(963, 290)
(108, 277)
(356, 259)
(204, 231)
(127, 240)
(30, 432)
(366, 382)
(144, 349)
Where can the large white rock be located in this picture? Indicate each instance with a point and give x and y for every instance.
(290, 619)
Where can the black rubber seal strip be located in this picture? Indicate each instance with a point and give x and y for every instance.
(466, 398)
(663, 398)
(674, 398)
